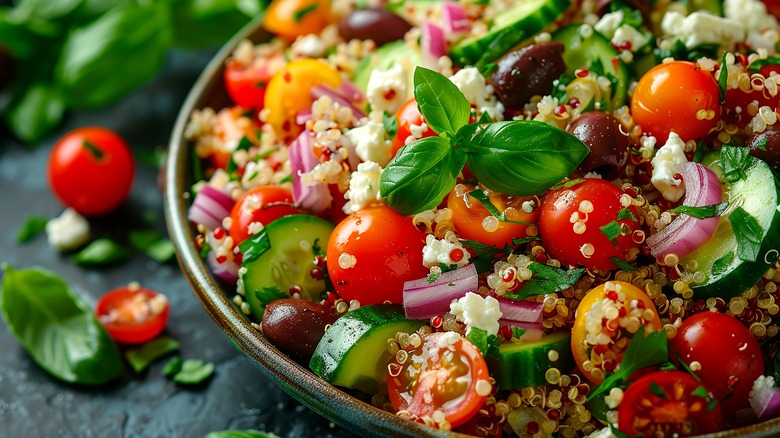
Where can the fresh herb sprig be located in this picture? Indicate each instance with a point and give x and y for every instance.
(519, 158)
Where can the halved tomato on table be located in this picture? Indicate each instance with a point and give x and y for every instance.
(133, 315)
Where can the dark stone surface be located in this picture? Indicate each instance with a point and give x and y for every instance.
(146, 405)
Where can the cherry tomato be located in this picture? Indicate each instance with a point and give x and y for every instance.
(666, 403)
(133, 315)
(91, 169)
(289, 92)
(615, 309)
(262, 204)
(676, 96)
(728, 353)
(375, 246)
(468, 216)
(292, 18)
(246, 84)
(773, 7)
(445, 373)
(407, 116)
(577, 225)
(232, 125)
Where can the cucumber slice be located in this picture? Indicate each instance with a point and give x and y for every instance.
(596, 54)
(519, 22)
(523, 364)
(385, 58)
(726, 275)
(713, 6)
(287, 262)
(353, 353)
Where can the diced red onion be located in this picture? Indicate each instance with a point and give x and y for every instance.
(315, 196)
(351, 92)
(533, 331)
(423, 300)
(686, 233)
(765, 401)
(519, 312)
(318, 91)
(303, 116)
(431, 44)
(210, 206)
(453, 17)
(226, 272)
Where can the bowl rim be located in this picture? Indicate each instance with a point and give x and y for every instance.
(320, 396)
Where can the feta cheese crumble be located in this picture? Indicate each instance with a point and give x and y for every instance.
(387, 90)
(68, 231)
(370, 143)
(666, 164)
(472, 84)
(363, 187)
(477, 311)
(702, 28)
(440, 251)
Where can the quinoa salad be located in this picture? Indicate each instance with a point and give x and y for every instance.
(508, 217)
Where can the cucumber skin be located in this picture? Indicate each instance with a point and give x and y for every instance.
(521, 365)
(348, 332)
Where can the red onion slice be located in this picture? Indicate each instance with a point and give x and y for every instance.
(520, 312)
(210, 206)
(303, 116)
(431, 44)
(686, 233)
(316, 196)
(226, 272)
(423, 300)
(453, 17)
(765, 400)
(318, 91)
(351, 92)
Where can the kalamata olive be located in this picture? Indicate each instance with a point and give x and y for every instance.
(527, 72)
(377, 24)
(296, 326)
(608, 144)
(766, 145)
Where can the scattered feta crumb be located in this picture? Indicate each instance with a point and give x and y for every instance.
(702, 28)
(647, 147)
(609, 23)
(68, 231)
(370, 143)
(438, 251)
(666, 164)
(477, 311)
(387, 90)
(309, 46)
(472, 84)
(363, 187)
(629, 34)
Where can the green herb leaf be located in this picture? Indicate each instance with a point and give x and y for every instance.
(735, 161)
(249, 433)
(483, 341)
(612, 230)
(483, 199)
(523, 240)
(33, 226)
(58, 329)
(625, 213)
(243, 145)
(701, 392)
(442, 104)
(390, 123)
(420, 175)
(193, 372)
(153, 244)
(520, 158)
(618, 434)
(140, 358)
(172, 367)
(304, 11)
(517, 332)
(642, 352)
(204, 251)
(723, 78)
(34, 111)
(270, 294)
(101, 252)
(485, 254)
(756, 65)
(703, 212)
(622, 264)
(722, 264)
(547, 280)
(748, 232)
(657, 390)
(254, 246)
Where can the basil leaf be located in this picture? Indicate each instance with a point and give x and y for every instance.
(441, 103)
(483, 199)
(172, 367)
(34, 111)
(254, 246)
(723, 78)
(199, 23)
(612, 230)
(735, 161)
(58, 330)
(33, 226)
(622, 264)
(101, 252)
(249, 433)
(703, 212)
(756, 65)
(420, 175)
(748, 232)
(153, 244)
(129, 40)
(390, 123)
(193, 372)
(547, 280)
(722, 264)
(521, 158)
(140, 358)
(270, 294)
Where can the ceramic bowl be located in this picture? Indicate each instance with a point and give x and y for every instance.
(327, 400)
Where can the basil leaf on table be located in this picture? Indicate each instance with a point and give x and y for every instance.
(249, 433)
(140, 358)
(37, 110)
(521, 158)
(443, 105)
(58, 329)
(101, 252)
(422, 173)
(153, 244)
(33, 226)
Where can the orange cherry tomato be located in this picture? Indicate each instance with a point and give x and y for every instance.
(676, 96)
(292, 18)
(263, 205)
(133, 315)
(407, 116)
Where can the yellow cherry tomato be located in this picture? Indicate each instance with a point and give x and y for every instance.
(607, 317)
(289, 92)
(292, 18)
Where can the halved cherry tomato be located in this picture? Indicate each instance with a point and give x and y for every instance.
(262, 204)
(133, 315)
(375, 246)
(232, 125)
(407, 116)
(676, 96)
(292, 18)
(246, 84)
(468, 216)
(615, 309)
(580, 225)
(667, 403)
(91, 169)
(445, 373)
(728, 354)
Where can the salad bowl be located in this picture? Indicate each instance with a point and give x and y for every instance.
(346, 409)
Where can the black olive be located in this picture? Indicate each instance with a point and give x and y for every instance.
(377, 24)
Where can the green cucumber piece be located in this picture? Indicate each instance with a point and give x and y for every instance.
(519, 22)
(384, 58)
(523, 364)
(726, 275)
(287, 262)
(353, 353)
(714, 7)
(594, 53)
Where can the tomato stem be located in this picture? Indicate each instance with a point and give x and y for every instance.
(92, 148)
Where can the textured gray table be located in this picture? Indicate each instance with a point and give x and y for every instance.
(32, 404)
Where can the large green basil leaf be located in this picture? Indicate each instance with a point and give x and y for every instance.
(121, 50)
(204, 23)
(25, 38)
(45, 10)
(520, 158)
(35, 111)
(57, 329)
(422, 173)
(442, 104)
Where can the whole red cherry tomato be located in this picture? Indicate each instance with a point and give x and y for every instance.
(263, 205)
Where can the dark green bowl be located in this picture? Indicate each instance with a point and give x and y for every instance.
(327, 400)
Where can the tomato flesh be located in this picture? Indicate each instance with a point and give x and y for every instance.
(133, 315)
(261, 205)
(407, 116)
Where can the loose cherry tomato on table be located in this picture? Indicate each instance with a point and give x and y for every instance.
(263, 205)
(133, 315)
(91, 169)
(375, 246)
(669, 403)
(445, 373)
(293, 18)
(676, 96)
(728, 354)
(407, 116)
(580, 225)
